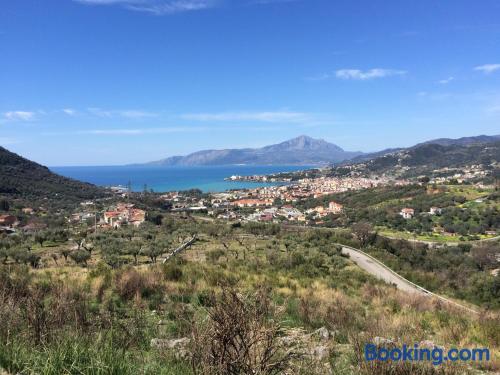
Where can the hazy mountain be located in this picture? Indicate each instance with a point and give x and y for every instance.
(22, 178)
(302, 150)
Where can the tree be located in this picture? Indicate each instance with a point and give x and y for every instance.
(40, 237)
(79, 238)
(485, 255)
(80, 256)
(153, 251)
(134, 248)
(65, 252)
(363, 232)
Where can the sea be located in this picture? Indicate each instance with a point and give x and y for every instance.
(176, 178)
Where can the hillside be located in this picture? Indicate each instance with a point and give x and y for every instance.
(429, 156)
(302, 150)
(464, 141)
(22, 178)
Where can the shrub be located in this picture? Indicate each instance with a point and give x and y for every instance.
(240, 337)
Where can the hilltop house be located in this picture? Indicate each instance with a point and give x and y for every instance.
(407, 213)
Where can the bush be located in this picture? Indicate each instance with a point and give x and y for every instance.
(240, 337)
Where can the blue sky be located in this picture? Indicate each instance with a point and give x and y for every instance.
(100, 82)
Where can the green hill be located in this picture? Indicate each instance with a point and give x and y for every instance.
(22, 178)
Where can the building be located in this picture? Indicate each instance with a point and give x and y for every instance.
(407, 213)
(435, 211)
(8, 220)
(253, 203)
(335, 208)
(124, 214)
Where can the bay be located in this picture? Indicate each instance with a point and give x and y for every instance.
(162, 179)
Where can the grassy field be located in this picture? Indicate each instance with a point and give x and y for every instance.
(435, 237)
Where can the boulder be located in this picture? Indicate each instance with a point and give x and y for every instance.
(319, 352)
(323, 334)
(179, 347)
(381, 341)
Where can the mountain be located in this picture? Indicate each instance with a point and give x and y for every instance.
(464, 141)
(22, 178)
(302, 150)
(427, 157)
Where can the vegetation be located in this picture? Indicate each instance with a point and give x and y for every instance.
(466, 211)
(18, 176)
(242, 299)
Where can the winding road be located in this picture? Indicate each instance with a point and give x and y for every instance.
(381, 271)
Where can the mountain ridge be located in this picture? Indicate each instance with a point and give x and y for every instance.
(301, 150)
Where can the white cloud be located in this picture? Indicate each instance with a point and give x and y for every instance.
(156, 7)
(446, 80)
(141, 131)
(69, 111)
(357, 74)
(129, 113)
(19, 115)
(320, 77)
(487, 68)
(268, 116)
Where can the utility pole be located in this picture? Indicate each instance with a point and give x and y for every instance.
(129, 190)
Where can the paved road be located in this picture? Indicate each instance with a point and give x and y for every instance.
(373, 267)
(379, 270)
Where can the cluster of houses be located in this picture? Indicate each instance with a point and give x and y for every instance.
(123, 214)
(461, 175)
(10, 223)
(409, 213)
(265, 211)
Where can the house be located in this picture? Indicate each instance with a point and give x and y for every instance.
(407, 213)
(335, 208)
(435, 211)
(124, 214)
(319, 209)
(136, 216)
(113, 218)
(8, 220)
(266, 217)
(28, 211)
(291, 213)
(252, 203)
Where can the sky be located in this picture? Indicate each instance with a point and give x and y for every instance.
(105, 82)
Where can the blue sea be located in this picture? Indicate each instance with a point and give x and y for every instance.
(162, 179)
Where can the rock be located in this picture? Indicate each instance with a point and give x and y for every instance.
(169, 344)
(323, 333)
(429, 344)
(380, 341)
(287, 340)
(320, 352)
